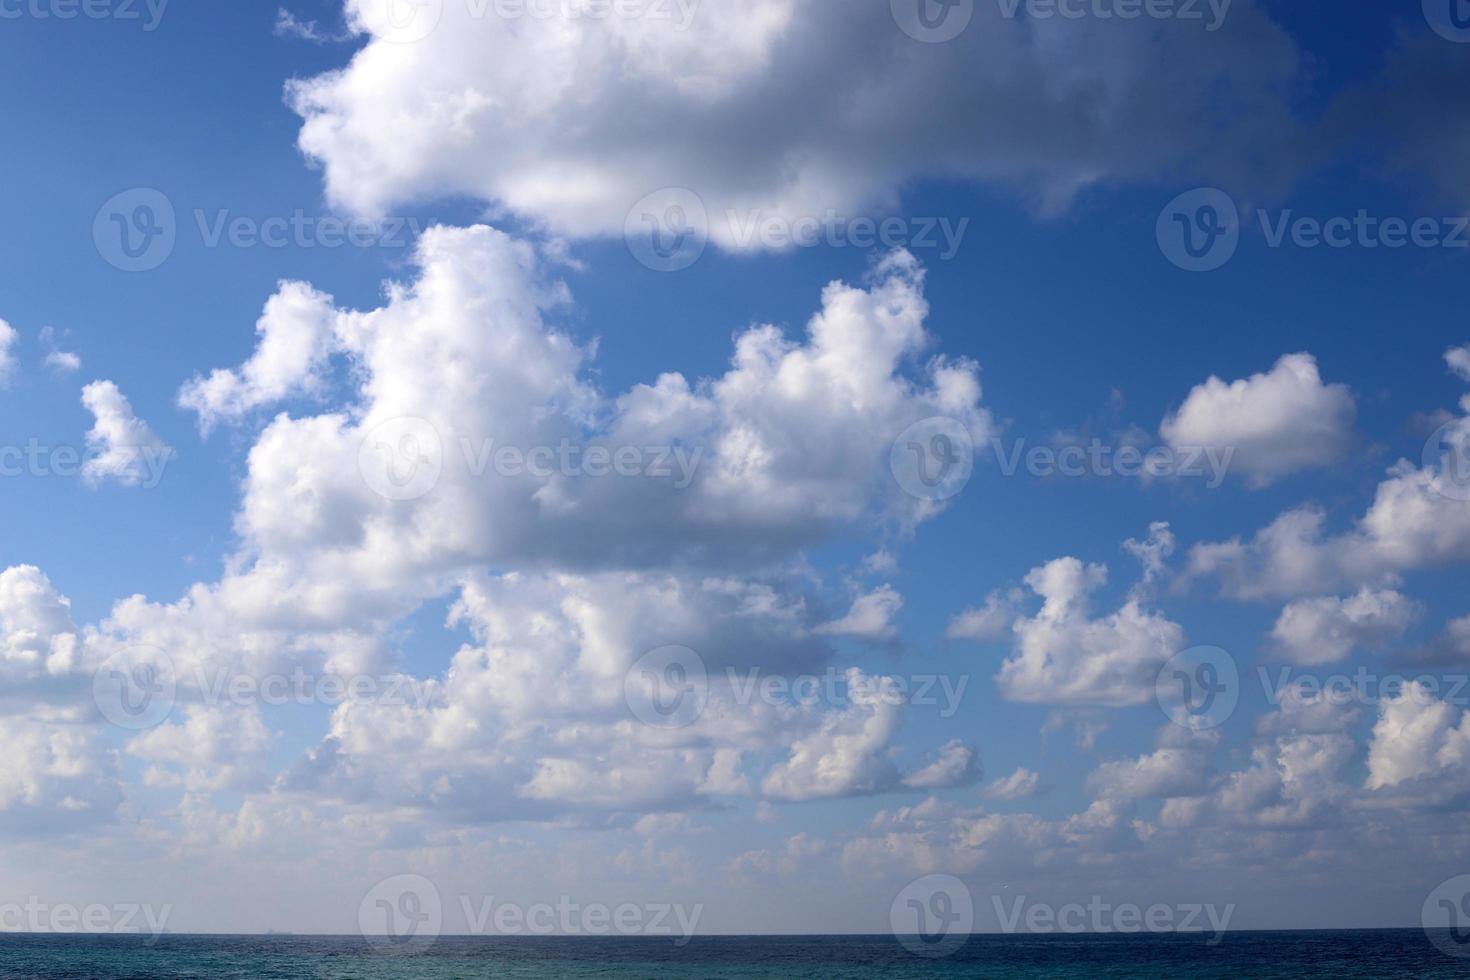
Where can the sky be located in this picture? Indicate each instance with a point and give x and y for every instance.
(771, 458)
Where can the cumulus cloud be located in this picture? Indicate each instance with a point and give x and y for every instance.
(846, 756)
(782, 108)
(957, 765)
(1019, 785)
(120, 445)
(1420, 748)
(1064, 656)
(296, 338)
(870, 618)
(1274, 424)
(55, 778)
(989, 622)
(1327, 629)
(1458, 358)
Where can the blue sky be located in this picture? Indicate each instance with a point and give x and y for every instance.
(254, 556)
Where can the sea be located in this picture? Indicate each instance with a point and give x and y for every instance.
(1338, 954)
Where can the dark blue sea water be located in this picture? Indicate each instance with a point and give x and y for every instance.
(1387, 953)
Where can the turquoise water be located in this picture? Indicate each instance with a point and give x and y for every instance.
(1386, 953)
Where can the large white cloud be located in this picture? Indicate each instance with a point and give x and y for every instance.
(784, 108)
(1272, 424)
(120, 445)
(1327, 629)
(1064, 656)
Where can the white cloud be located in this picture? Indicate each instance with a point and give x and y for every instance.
(8, 337)
(1420, 746)
(870, 618)
(957, 765)
(120, 445)
(1327, 629)
(57, 359)
(846, 756)
(55, 778)
(295, 342)
(1019, 785)
(1274, 424)
(785, 108)
(1063, 656)
(1166, 773)
(1458, 358)
(990, 622)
